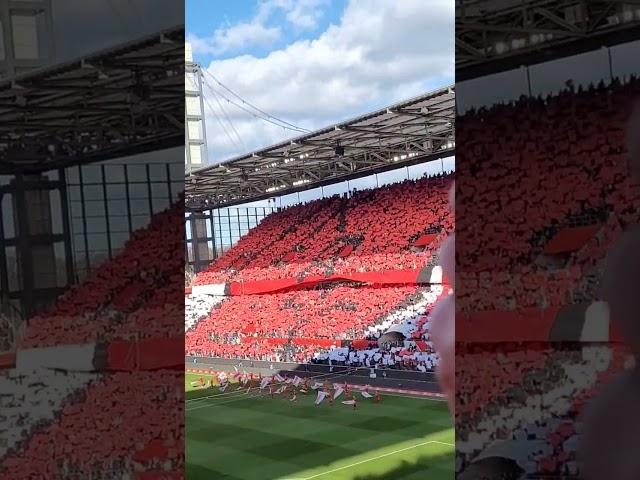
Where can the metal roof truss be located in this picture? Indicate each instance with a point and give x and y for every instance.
(111, 104)
(408, 132)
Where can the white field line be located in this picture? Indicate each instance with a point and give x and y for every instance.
(242, 396)
(227, 400)
(371, 459)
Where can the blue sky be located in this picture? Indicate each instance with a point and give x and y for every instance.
(314, 63)
(204, 17)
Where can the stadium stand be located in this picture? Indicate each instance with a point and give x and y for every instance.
(336, 235)
(578, 134)
(333, 237)
(300, 323)
(79, 425)
(137, 282)
(539, 231)
(119, 310)
(537, 394)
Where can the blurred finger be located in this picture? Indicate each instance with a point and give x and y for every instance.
(442, 331)
(448, 260)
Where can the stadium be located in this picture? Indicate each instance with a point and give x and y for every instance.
(314, 271)
(91, 199)
(544, 91)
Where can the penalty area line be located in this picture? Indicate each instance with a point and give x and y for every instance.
(369, 460)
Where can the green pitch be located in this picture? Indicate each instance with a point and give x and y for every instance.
(233, 436)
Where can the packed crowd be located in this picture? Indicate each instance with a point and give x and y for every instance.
(131, 297)
(263, 350)
(139, 283)
(514, 202)
(31, 398)
(337, 313)
(70, 423)
(331, 236)
(411, 317)
(198, 308)
(515, 198)
(407, 357)
(532, 396)
(336, 235)
(297, 325)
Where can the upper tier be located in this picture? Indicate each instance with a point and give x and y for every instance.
(374, 230)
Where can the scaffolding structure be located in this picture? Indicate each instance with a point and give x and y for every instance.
(196, 132)
(494, 36)
(26, 36)
(61, 215)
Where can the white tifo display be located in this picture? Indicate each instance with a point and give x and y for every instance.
(36, 396)
(197, 307)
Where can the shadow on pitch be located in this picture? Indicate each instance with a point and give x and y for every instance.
(198, 472)
(440, 467)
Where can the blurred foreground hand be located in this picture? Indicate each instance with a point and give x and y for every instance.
(612, 422)
(442, 329)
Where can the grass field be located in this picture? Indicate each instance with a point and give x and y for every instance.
(237, 437)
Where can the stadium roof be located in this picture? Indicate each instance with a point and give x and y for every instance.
(498, 35)
(409, 132)
(114, 103)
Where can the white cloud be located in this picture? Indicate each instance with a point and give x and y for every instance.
(380, 52)
(235, 37)
(302, 14)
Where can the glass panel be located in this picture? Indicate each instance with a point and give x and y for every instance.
(501, 87)
(74, 193)
(72, 176)
(119, 223)
(139, 221)
(61, 267)
(118, 240)
(114, 173)
(93, 192)
(366, 183)
(586, 68)
(139, 207)
(176, 171)
(159, 190)
(76, 225)
(139, 190)
(91, 174)
(158, 173)
(56, 212)
(624, 59)
(387, 178)
(97, 241)
(450, 164)
(78, 242)
(76, 209)
(118, 207)
(96, 225)
(98, 257)
(137, 173)
(176, 188)
(160, 204)
(94, 208)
